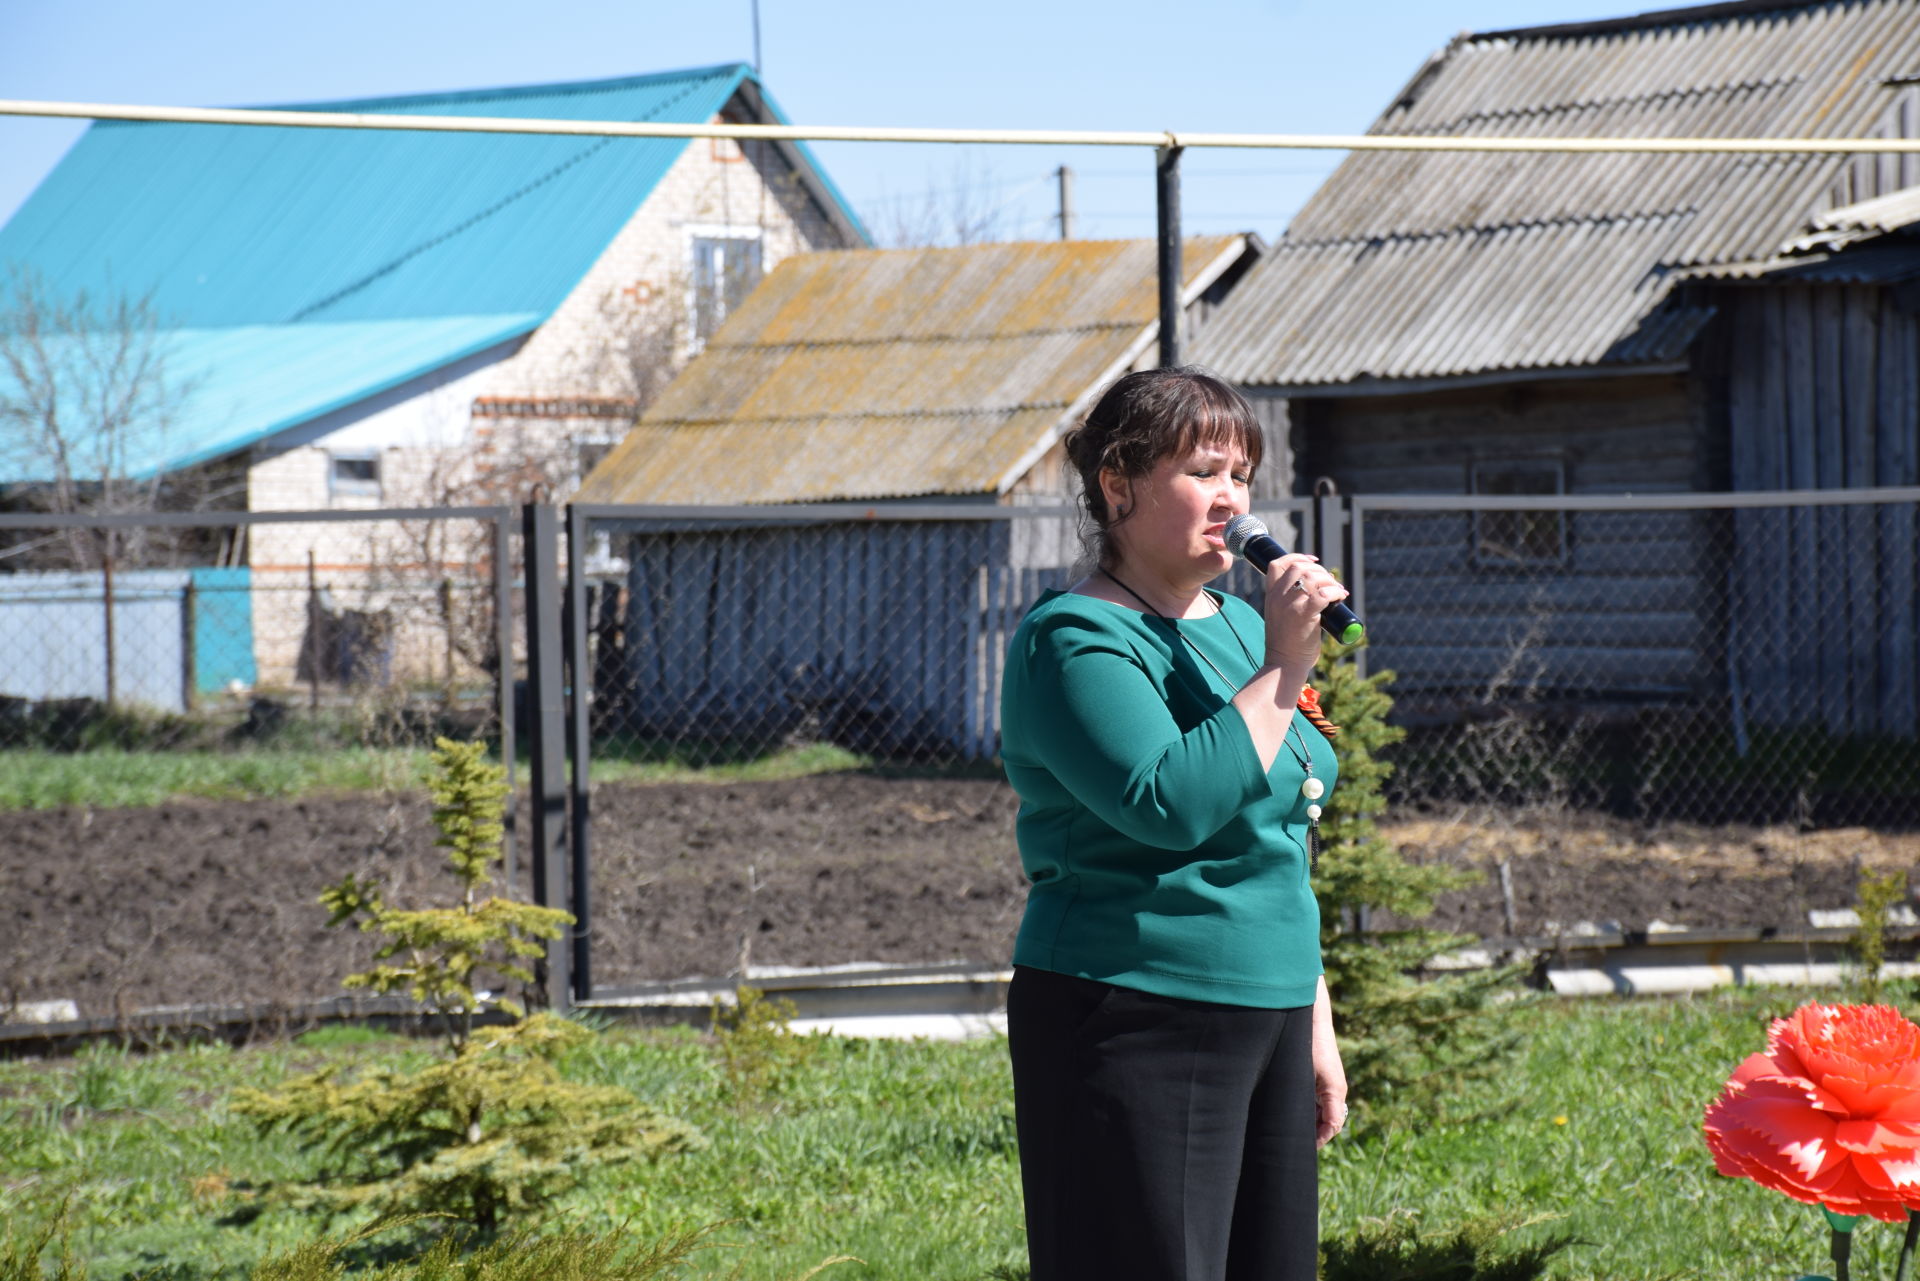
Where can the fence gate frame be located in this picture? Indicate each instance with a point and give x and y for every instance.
(560, 667)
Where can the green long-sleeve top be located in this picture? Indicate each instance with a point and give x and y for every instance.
(1160, 855)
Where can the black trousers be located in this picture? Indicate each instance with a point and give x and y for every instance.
(1162, 1139)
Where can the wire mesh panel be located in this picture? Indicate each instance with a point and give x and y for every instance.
(1732, 658)
(721, 639)
(881, 631)
(285, 670)
(236, 629)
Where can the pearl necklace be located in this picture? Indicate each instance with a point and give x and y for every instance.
(1310, 787)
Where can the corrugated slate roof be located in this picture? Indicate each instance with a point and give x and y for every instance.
(1420, 265)
(256, 228)
(895, 373)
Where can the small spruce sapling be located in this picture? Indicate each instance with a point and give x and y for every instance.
(433, 954)
(1405, 1040)
(492, 1128)
(1879, 894)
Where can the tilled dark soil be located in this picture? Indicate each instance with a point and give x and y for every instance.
(215, 902)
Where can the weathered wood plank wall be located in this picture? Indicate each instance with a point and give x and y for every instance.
(886, 637)
(1823, 600)
(1627, 614)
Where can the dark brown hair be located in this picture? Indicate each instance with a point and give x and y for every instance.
(1145, 417)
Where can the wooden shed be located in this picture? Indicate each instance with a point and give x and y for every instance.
(926, 376)
(1565, 324)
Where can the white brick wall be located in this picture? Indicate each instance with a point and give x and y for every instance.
(645, 275)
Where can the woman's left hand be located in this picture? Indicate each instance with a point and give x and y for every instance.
(1329, 1074)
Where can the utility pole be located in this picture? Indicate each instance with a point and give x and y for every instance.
(1066, 203)
(756, 42)
(1167, 200)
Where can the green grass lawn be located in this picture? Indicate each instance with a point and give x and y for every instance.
(109, 778)
(904, 1154)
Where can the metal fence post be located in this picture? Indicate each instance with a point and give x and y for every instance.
(1356, 524)
(106, 601)
(546, 695)
(503, 683)
(579, 731)
(189, 656)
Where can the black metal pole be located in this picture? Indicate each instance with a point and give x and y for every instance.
(106, 600)
(189, 657)
(1166, 170)
(546, 706)
(313, 633)
(503, 687)
(579, 691)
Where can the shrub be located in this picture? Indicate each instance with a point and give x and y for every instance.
(1878, 894)
(491, 1128)
(21, 1252)
(1407, 1041)
(757, 1047)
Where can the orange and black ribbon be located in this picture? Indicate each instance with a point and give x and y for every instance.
(1309, 702)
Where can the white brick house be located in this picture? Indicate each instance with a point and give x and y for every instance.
(382, 319)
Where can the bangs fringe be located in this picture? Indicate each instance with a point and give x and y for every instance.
(1226, 418)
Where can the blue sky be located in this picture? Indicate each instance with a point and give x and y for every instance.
(1294, 66)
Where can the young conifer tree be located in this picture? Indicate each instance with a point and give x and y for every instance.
(1406, 1040)
(492, 1128)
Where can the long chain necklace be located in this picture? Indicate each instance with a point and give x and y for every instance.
(1310, 787)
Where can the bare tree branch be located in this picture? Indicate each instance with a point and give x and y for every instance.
(90, 411)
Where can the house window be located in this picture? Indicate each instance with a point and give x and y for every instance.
(725, 270)
(356, 473)
(587, 455)
(1511, 538)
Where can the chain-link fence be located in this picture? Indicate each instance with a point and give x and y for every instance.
(879, 631)
(1733, 658)
(1721, 658)
(254, 629)
(1730, 658)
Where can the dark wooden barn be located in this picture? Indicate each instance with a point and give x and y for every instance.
(1502, 325)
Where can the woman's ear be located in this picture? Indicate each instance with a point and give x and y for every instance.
(1117, 490)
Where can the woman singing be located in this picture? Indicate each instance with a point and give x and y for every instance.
(1174, 1061)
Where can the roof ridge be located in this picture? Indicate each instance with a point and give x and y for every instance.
(1470, 229)
(1076, 245)
(1656, 18)
(516, 91)
(976, 412)
(897, 339)
(1678, 92)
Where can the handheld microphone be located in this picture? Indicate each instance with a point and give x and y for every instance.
(1247, 538)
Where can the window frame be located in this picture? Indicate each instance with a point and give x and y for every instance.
(1477, 475)
(339, 486)
(695, 233)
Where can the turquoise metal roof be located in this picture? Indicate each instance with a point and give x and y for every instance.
(252, 381)
(444, 243)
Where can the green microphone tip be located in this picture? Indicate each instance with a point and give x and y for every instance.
(1351, 634)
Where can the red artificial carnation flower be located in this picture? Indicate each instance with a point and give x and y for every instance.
(1830, 1114)
(1309, 700)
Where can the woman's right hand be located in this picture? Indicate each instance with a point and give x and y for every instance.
(1299, 587)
